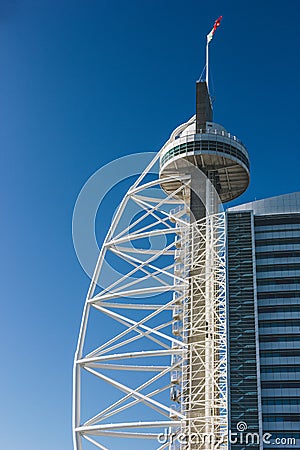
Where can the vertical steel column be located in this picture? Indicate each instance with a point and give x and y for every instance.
(206, 403)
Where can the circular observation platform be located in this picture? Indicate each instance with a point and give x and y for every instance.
(213, 150)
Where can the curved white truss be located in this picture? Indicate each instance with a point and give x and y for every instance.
(160, 382)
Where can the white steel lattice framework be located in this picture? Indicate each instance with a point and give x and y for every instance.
(159, 352)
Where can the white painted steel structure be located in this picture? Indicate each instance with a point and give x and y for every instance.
(168, 314)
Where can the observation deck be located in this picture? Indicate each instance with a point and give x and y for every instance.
(202, 143)
(212, 149)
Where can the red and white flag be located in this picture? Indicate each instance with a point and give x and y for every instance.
(216, 25)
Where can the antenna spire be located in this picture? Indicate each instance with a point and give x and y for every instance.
(208, 39)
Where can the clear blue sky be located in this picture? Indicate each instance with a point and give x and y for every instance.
(82, 83)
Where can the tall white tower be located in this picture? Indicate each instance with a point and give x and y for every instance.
(151, 361)
(217, 166)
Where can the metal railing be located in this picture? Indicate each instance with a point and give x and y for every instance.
(214, 132)
(186, 145)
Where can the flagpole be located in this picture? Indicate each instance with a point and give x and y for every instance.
(208, 39)
(206, 72)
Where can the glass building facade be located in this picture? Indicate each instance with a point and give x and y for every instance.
(264, 319)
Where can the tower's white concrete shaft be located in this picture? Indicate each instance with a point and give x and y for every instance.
(166, 346)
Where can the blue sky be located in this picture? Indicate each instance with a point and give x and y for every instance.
(83, 83)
